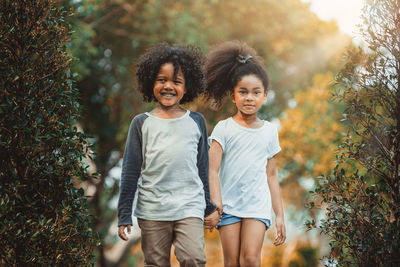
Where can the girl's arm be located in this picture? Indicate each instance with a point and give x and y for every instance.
(215, 154)
(276, 201)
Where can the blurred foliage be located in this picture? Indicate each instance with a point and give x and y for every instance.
(309, 133)
(362, 196)
(44, 220)
(109, 35)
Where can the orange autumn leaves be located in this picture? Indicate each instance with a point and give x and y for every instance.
(309, 131)
(308, 136)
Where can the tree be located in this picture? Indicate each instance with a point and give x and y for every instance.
(362, 196)
(43, 218)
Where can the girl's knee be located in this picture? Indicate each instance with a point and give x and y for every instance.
(231, 263)
(250, 261)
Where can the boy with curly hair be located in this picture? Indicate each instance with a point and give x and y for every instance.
(166, 160)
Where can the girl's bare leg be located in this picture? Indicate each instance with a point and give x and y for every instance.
(252, 238)
(230, 239)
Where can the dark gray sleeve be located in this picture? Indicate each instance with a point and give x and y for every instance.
(202, 160)
(131, 168)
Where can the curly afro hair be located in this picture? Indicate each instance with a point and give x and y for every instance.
(226, 64)
(187, 58)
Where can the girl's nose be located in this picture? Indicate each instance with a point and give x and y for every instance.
(249, 97)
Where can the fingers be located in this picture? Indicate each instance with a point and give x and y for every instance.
(210, 225)
(278, 241)
(121, 232)
(281, 235)
(211, 220)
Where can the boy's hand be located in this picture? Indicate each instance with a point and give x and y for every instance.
(211, 220)
(121, 231)
(280, 231)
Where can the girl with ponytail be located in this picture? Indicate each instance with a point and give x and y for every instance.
(243, 179)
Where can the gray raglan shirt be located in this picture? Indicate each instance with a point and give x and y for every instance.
(166, 162)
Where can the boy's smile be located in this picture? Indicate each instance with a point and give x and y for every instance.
(169, 90)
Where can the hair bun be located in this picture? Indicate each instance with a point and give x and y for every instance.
(243, 59)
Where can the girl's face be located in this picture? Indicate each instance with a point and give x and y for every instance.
(169, 90)
(249, 94)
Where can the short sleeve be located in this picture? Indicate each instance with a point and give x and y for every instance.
(218, 134)
(274, 147)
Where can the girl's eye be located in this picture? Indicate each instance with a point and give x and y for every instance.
(242, 92)
(177, 82)
(161, 80)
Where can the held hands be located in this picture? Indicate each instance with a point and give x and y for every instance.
(280, 231)
(211, 220)
(121, 231)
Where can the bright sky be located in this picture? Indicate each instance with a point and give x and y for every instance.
(345, 12)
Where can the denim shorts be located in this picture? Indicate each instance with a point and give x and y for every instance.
(228, 219)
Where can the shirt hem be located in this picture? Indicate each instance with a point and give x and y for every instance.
(166, 218)
(248, 215)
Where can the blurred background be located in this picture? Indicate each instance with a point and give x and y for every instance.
(302, 43)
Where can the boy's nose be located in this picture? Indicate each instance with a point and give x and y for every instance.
(168, 85)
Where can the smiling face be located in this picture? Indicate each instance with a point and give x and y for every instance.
(249, 94)
(169, 90)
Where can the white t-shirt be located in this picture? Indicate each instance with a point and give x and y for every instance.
(242, 174)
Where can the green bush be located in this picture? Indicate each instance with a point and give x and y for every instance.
(362, 197)
(43, 217)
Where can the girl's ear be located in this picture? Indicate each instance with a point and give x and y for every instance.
(265, 94)
(232, 95)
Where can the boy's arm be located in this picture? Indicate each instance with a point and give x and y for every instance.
(202, 162)
(131, 168)
(276, 201)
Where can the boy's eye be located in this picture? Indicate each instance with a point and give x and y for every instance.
(177, 82)
(242, 92)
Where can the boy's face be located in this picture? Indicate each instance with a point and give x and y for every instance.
(169, 90)
(249, 94)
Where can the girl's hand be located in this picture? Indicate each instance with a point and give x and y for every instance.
(212, 220)
(219, 208)
(280, 231)
(121, 231)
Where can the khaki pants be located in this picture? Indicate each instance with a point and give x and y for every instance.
(187, 235)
